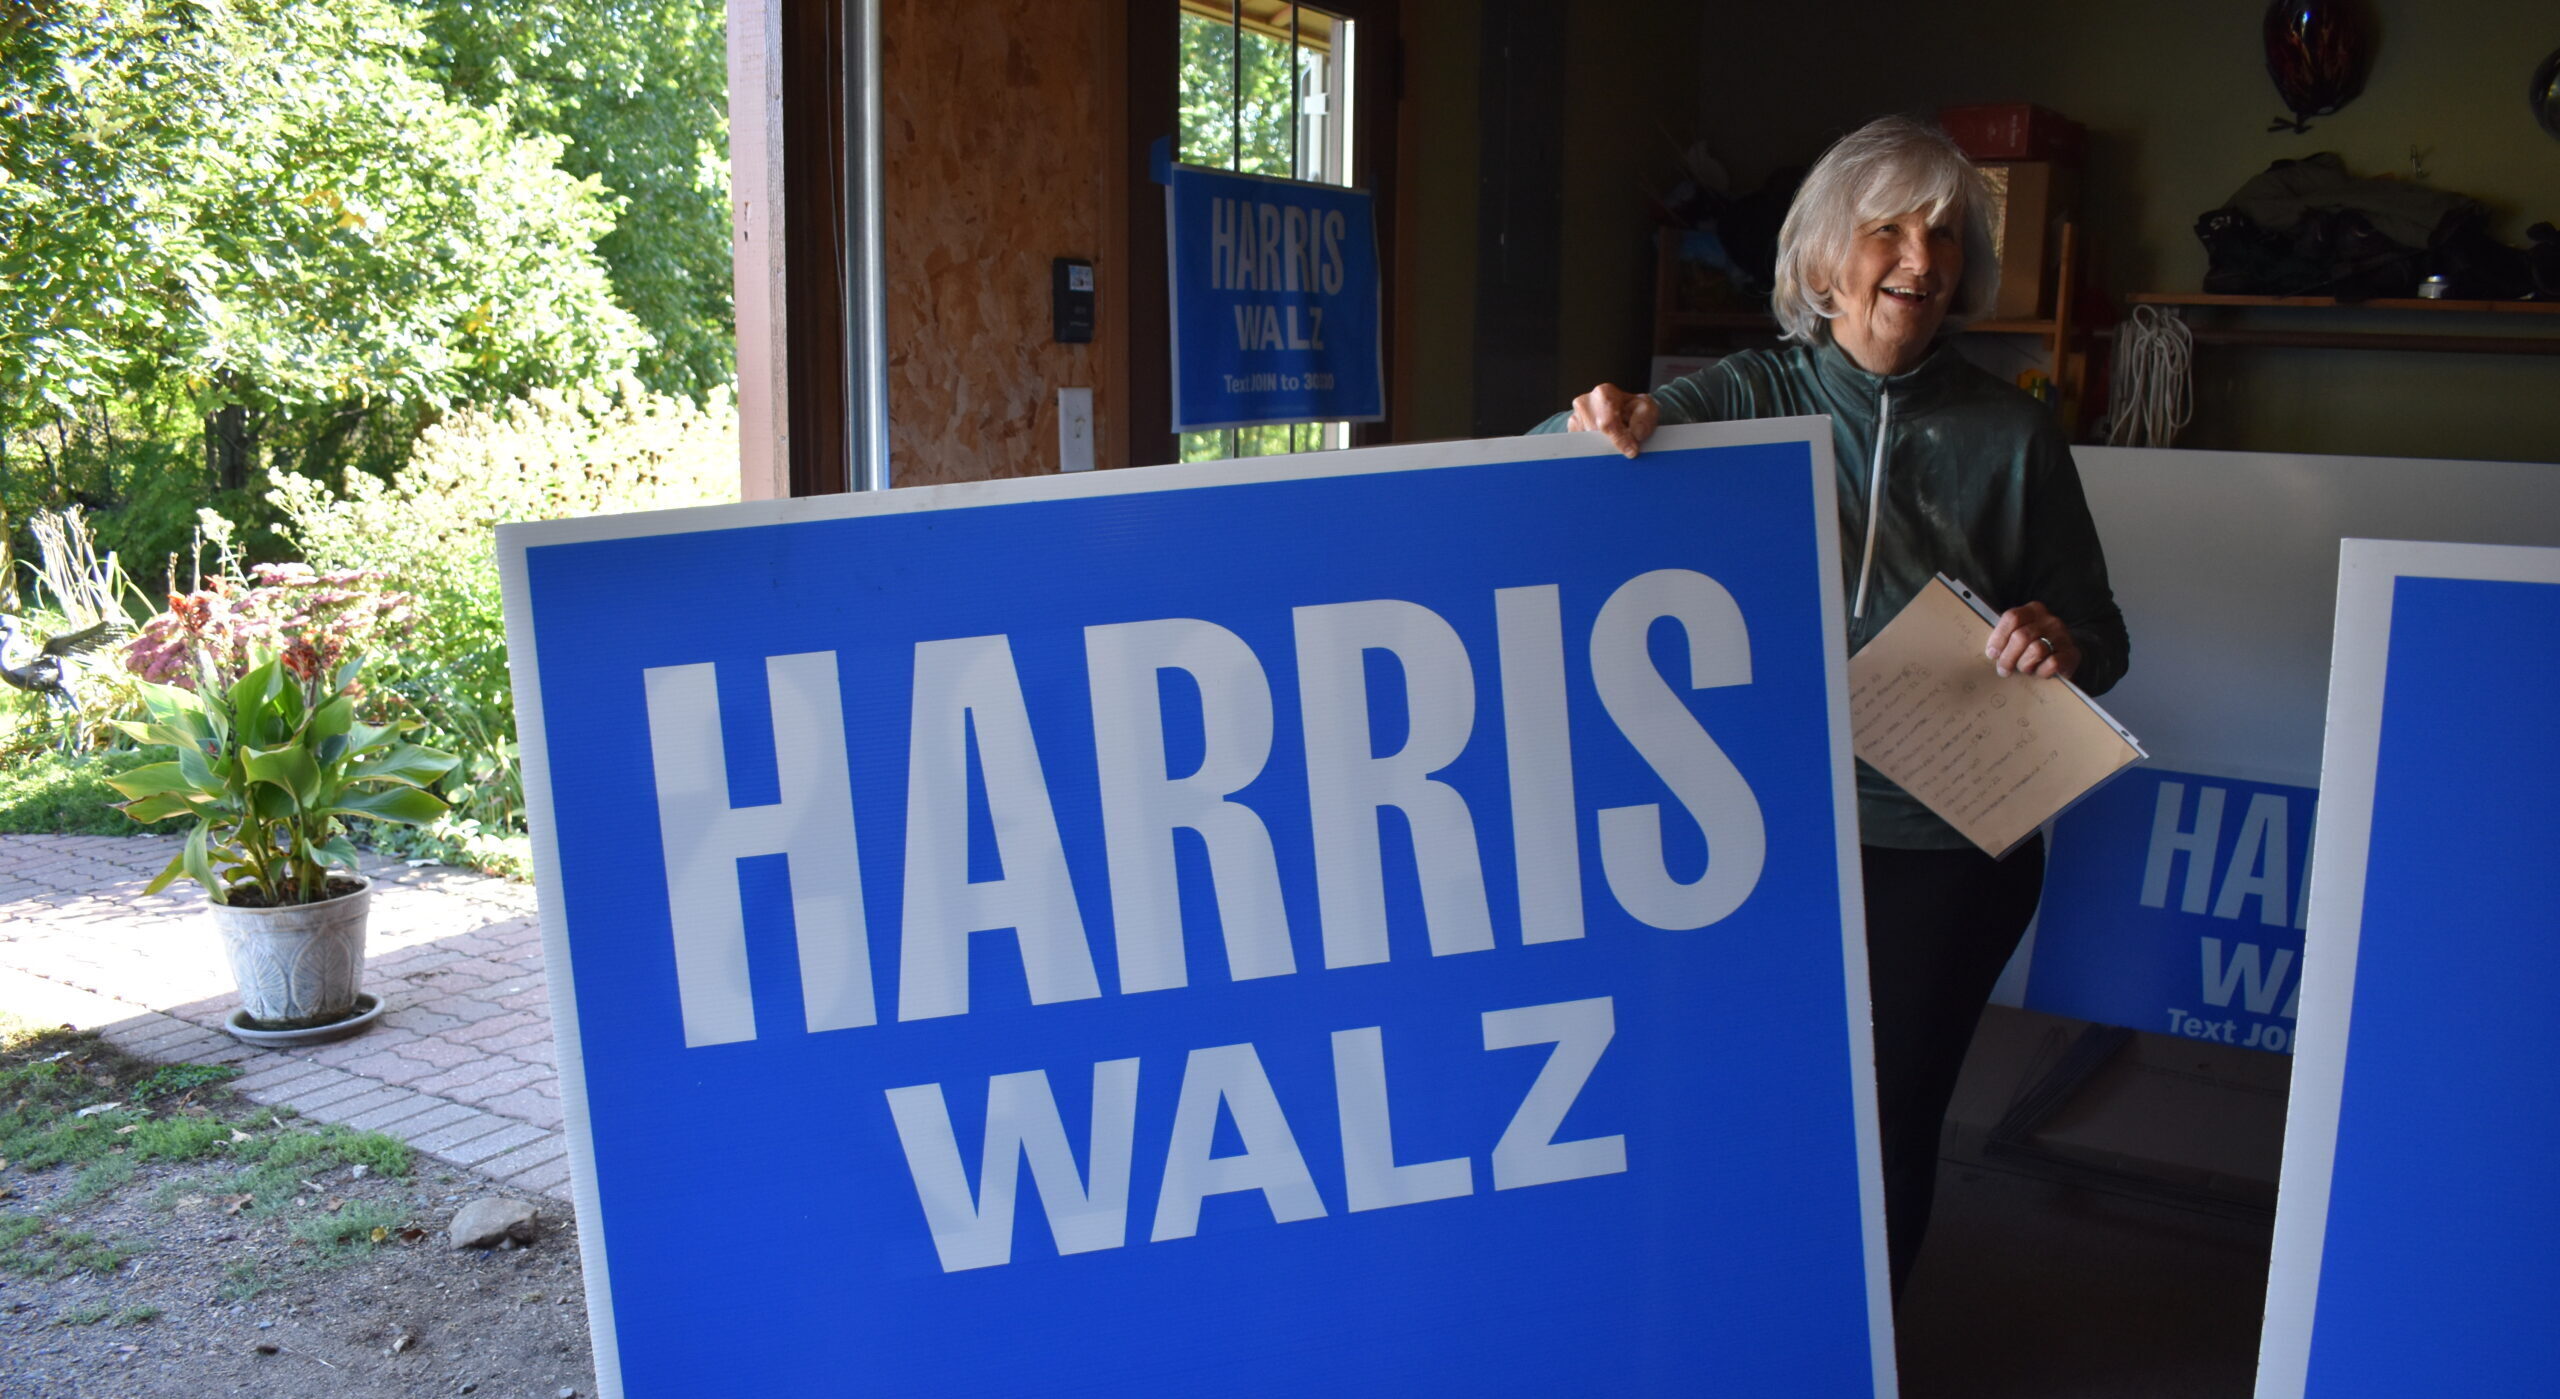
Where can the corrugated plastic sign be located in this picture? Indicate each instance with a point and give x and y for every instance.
(1368, 924)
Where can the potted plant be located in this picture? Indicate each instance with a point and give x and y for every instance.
(257, 690)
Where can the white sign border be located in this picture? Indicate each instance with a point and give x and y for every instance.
(523, 648)
(2368, 572)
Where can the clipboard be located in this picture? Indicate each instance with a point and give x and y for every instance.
(1993, 756)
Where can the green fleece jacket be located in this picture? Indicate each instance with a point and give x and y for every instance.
(1978, 484)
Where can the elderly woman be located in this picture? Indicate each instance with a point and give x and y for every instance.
(1942, 468)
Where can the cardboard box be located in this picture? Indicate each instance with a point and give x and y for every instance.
(2013, 131)
(2029, 200)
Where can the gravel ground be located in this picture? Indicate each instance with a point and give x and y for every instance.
(163, 1284)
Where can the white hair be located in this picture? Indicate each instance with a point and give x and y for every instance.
(1889, 166)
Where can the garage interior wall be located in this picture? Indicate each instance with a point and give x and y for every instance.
(1006, 142)
(1002, 149)
(2177, 100)
(1597, 105)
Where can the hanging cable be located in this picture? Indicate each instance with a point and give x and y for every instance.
(2151, 391)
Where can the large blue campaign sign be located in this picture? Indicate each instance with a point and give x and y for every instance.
(1275, 301)
(1360, 925)
(2416, 1225)
(2215, 867)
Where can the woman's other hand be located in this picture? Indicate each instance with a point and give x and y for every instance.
(1626, 419)
(2032, 640)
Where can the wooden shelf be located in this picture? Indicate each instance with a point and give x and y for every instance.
(2391, 303)
(2410, 310)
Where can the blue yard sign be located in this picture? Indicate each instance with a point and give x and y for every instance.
(1275, 301)
(2174, 903)
(1373, 924)
(2416, 1225)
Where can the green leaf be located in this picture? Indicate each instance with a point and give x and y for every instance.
(410, 763)
(272, 708)
(330, 750)
(249, 697)
(159, 807)
(289, 767)
(152, 779)
(338, 850)
(269, 803)
(212, 725)
(158, 735)
(407, 806)
(169, 704)
(200, 868)
(198, 771)
(332, 720)
(168, 874)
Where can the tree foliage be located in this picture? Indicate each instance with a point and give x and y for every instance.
(265, 204)
(431, 530)
(1219, 131)
(638, 93)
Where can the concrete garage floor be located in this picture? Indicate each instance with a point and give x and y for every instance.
(2116, 1251)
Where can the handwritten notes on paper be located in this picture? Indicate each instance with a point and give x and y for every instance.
(1994, 756)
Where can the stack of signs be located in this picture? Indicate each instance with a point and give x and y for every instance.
(1371, 924)
(2175, 897)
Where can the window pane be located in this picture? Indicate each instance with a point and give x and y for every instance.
(1268, 149)
(1207, 102)
(1294, 121)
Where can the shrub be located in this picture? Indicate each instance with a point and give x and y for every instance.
(212, 637)
(50, 793)
(431, 531)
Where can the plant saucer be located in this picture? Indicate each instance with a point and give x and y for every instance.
(368, 1010)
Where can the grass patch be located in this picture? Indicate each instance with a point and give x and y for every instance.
(52, 793)
(32, 1248)
(244, 1280)
(137, 1315)
(169, 1079)
(49, 1078)
(86, 1314)
(55, 1138)
(281, 1162)
(103, 1176)
(178, 1138)
(351, 1232)
(16, 1229)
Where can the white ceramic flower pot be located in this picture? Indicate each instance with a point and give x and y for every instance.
(301, 965)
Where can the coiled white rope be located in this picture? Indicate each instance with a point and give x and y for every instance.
(2151, 392)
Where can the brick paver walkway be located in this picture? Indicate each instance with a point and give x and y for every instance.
(460, 1065)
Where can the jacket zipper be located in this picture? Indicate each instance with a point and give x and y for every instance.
(1875, 499)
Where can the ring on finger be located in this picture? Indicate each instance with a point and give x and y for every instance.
(2049, 647)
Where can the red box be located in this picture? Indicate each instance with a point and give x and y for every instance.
(2013, 131)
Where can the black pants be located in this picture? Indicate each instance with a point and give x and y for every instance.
(1940, 926)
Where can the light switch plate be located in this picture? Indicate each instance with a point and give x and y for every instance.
(1075, 429)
